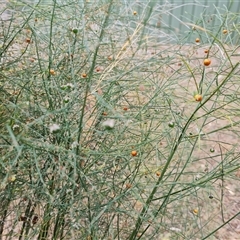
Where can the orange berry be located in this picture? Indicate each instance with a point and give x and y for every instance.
(134, 13)
(198, 97)
(104, 114)
(98, 69)
(28, 40)
(134, 153)
(52, 72)
(125, 108)
(206, 51)
(84, 75)
(207, 62)
(158, 173)
(197, 40)
(195, 211)
(225, 31)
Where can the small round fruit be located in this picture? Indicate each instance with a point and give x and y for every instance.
(198, 97)
(207, 62)
(212, 150)
(206, 50)
(134, 153)
(210, 196)
(28, 40)
(134, 13)
(11, 178)
(197, 40)
(75, 31)
(84, 75)
(171, 124)
(195, 211)
(52, 72)
(66, 99)
(125, 108)
(158, 173)
(225, 31)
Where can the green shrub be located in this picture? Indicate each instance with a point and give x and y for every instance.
(112, 127)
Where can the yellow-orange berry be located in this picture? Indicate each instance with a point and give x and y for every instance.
(195, 211)
(52, 72)
(207, 62)
(197, 40)
(84, 75)
(28, 40)
(125, 108)
(206, 51)
(134, 13)
(134, 153)
(198, 97)
(11, 178)
(225, 31)
(158, 173)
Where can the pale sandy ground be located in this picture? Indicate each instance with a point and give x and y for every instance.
(3, 14)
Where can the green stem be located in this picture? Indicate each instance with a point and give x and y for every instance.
(178, 142)
(80, 125)
(225, 223)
